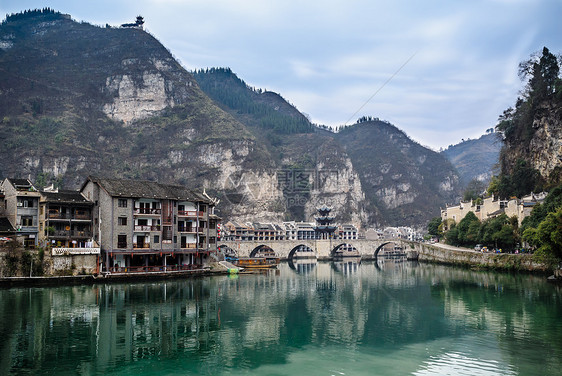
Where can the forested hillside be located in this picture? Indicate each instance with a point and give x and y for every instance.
(265, 109)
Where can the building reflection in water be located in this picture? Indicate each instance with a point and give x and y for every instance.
(209, 325)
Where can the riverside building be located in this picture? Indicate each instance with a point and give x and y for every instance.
(145, 226)
(21, 208)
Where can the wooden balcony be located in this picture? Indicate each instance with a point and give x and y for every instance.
(54, 215)
(141, 245)
(147, 211)
(189, 230)
(143, 228)
(80, 217)
(70, 234)
(190, 213)
(188, 245)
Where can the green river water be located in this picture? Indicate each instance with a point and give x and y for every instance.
(393, 318)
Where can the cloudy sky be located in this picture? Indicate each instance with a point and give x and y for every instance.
(453, 64)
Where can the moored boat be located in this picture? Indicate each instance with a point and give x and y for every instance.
(256, 262)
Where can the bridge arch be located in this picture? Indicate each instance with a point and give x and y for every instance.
(227, 251)
(262, 249)
(380, 247)
(300, 248)
(344, 249)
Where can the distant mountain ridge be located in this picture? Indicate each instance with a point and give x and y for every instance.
(475, 159)
(77, 99)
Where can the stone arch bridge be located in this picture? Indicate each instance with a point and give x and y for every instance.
(323, 249)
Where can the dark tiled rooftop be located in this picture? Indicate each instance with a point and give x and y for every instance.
(6, 226)
(21, 184)
(146, 189)
(64, 196)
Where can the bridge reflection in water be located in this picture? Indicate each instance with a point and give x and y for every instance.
(401, 318)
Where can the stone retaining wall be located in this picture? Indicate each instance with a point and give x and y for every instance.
(499, 261)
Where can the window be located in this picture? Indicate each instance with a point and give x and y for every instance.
(122, 221)
(167, 234)
(156, 239)
(27, 221)
(175, 239)
(121, 241)
(122, 202)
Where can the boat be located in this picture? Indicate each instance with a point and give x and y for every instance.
(256, 262)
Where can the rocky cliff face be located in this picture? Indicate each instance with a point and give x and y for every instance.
(545, 148)
(537, 143)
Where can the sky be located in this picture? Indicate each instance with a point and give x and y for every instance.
(441, 71)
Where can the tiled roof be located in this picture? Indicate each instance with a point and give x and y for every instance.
(146, 189)
(6, 226)
(21, 184)
(64, 196)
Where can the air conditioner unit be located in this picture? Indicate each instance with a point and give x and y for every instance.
(20, 203)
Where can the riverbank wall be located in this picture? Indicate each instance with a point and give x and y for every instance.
(54, 281)
(473, 259)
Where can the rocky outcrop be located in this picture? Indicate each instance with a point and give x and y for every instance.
(545, 148)
(136, 101)
(339, 189)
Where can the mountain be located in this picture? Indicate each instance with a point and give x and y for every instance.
(375, 171)
(402, 180)
(475, 159)
(78, 99)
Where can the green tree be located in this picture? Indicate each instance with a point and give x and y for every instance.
(467, 230)
(472, 235)
(551, 203)
(452, 236)
(433, 227)
(499, 232)
(548, 236)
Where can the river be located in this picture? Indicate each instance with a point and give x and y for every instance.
(390, 318)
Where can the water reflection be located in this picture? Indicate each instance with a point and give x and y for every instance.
(433, 316)
(302, 266)
(346, 265)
